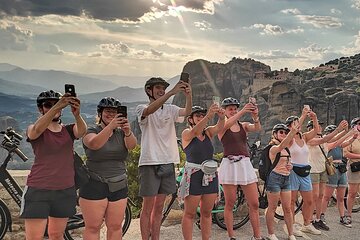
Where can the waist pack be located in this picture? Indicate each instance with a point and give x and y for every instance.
(302, 171)
(355, 166)
(116, 183)
(82, 176)
(209, 166)
(341, 167)
(164, 170)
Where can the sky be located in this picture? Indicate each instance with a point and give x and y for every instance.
(158, 37)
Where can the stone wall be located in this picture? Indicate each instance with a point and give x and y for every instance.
(18, 230)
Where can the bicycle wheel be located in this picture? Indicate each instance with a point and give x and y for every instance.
(279, 214)
(356, 204)
(240, 211)
(168, 205)
(4, 219)
(76, 224)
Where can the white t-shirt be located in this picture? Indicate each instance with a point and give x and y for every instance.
(158, 135)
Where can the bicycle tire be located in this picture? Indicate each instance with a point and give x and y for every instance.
(240, 212)
(168, 203)
(279, 214)
(5, 219)
(356, 205)
(76, 224)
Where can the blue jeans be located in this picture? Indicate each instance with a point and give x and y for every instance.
(277, 183)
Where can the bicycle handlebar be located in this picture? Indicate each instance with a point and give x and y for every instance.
(11, 144)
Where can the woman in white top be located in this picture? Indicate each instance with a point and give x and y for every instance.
(300, 175)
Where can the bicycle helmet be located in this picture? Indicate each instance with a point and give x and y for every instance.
(108, 102)
(47, 95)
(197, 109)
(280, 126)
(230, 101)
(354, 121)
(290, 119)
(310, 124)
(330, 128)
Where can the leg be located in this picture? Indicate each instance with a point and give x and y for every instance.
(114, 217)
(307, 209)
(230, 199)
(190, 205)
(273, 199)
(288, 211)
(206, 205)
(145, 216)
(294, 196)
(340, 194)
(56, 228)
(319, 199)
(156, 215)
(353, 189)
(35, 228)
(315, 197)
(93, 212)
(327, 196)
(252, 198)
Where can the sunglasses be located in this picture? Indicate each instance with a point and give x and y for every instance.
(48, 105)
(282, 132)
(199, 115)
(110, 111)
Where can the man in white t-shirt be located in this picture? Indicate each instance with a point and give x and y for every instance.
(159, 150)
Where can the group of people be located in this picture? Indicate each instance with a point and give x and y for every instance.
(50, 195)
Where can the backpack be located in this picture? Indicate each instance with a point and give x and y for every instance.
(265, 165)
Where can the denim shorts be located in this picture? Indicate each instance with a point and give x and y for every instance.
(337, 180)
(298, 183)
(277, 183)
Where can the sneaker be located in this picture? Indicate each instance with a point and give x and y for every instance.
(322, 218)
(232, 238)
(254, 238)
(310, 229)
(272, 237)
(297, 231)
(345, 221)
(320, 225)
(292, 237)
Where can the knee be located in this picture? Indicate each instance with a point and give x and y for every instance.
(253, 205)
(205, 213)
(93, 227)
(189, 215)
(308, 202)
(229, 204)
(113, 227)
(286, 210)
(55, 235)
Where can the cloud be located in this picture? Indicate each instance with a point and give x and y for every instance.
(313, 52)
(335, 11)
(14, 37)
(271, 54)
(268, 29)
(293, 11)
(320, 21)
(108, 10)
(55, 50)
(203, 25)
(356, 4)
(354, 46)
(156, 53)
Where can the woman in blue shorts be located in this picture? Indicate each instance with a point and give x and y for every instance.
(277, 183)
(338, 180)
(200, 181)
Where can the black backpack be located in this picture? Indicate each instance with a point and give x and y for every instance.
(265, 165)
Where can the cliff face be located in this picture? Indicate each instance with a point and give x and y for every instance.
(332, 90)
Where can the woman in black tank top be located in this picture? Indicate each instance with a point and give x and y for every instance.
(196, 142)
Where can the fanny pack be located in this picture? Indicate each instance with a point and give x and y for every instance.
(209, 166)
(116, 183)
(341, 167)
(302, 171)
(164, 170)
(355, 167)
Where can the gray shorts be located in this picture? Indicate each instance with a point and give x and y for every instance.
(151, 184)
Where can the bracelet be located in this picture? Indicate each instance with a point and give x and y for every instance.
(128, 135)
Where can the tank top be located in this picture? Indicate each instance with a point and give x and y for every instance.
(198, 151)
(317, 158)
(299, 155)
(336, 153)
(234, 143)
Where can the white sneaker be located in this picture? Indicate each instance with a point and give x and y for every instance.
(292, 237)
(310, 229)
(297, 231)
(272, 237)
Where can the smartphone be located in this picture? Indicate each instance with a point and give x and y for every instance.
(122, 110)
(184, 77)
(70, 88)
(252, 100)
(216, 100)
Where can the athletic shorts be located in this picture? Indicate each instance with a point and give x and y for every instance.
(42, 203)
(319, 177)
(152, 185)
(277, 183)
(95, 190)
(298, 183)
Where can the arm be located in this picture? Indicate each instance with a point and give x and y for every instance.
(129, 138)
(311, 134)
(80, 125)
(213, 130)
(188, 104)
(349, 141)
(232, 120)
(284, 143)
(36, 129)
(256, 126)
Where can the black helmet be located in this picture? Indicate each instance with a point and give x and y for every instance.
(310, 124)
(155, 80)
(354, 121)
(108, 102)
(197, 109)
(47, 95)
(280, 126)
(230, 101)
(290, 119)
(330, 128)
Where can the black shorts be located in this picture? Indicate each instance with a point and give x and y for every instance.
(196, 187)
(42, 203)
(95, 190)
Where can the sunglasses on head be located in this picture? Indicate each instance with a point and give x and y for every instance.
(48, 104)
